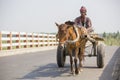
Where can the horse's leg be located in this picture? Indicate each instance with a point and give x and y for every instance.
(71, 62)
(75, 61)
(81, 57)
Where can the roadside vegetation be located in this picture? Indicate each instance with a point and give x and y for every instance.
(112, 39)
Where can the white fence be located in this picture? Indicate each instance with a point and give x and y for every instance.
(15, 40)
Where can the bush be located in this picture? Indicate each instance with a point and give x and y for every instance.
(112, 38)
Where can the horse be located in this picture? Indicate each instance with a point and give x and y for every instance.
(74, 38)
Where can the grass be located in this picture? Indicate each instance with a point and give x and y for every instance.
(112, 41)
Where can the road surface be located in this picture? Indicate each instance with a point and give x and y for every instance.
(42, 66)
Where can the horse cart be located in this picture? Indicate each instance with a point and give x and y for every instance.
(95, 50)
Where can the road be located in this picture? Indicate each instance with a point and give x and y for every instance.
(42, 66)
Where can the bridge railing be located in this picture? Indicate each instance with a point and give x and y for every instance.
(16, 40)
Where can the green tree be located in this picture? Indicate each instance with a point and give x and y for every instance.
(118, 34)
(104, 34)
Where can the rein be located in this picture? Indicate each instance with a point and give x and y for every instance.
(77, 34)
(75, 29)
(57, 37)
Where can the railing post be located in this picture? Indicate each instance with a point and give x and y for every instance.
(53, 40)
(42, 39)
(32, 40)
(48, 39)
(0, 41)
(56, 42)
(9, 41)
(37, 40)
(26, 40)
(19, 40)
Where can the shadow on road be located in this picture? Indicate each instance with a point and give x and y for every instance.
(107, 72)
(90, 67)
(49, 70)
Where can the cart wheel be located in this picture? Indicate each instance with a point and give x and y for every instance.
(100, 55)
(61, 56)
(94, 50)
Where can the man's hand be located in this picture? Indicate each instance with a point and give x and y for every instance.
(90, 29)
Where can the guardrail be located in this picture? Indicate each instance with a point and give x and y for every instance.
(16, 40)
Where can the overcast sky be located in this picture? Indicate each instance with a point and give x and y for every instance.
(40, 15)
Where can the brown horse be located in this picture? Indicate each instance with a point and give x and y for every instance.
(75, 39)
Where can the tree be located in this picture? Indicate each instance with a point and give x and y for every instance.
(104, 34)
(118, 34)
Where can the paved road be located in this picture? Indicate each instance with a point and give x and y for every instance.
(42, 66)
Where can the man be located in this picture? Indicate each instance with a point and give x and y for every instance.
(82, 20)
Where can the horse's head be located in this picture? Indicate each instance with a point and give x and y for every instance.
(67, 32)
(62, 34)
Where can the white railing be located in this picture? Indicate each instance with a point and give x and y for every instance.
(15, 40)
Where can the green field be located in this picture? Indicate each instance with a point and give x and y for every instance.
(112, 39)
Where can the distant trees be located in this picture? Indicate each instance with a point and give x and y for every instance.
(111, 35)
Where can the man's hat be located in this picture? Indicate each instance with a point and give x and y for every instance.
(83, 9)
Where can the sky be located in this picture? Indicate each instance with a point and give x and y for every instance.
(41, 15)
